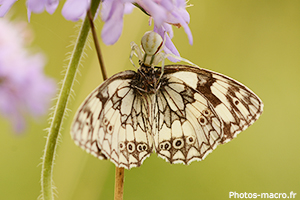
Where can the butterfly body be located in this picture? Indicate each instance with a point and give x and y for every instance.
(181, 112)
(146, 79)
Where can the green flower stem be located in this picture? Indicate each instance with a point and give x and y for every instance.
(61, 105)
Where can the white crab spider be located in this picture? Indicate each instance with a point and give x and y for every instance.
(150, 53)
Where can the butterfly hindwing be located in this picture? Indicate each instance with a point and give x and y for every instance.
(113, 123)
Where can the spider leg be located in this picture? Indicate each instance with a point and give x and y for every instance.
(180, 59)
(135, 50)
(163, 56)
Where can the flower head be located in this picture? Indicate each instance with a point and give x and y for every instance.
(24, 89)
(164, 13)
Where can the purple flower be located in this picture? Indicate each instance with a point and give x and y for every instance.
(24, 89)
(164, 13)
(36, 6)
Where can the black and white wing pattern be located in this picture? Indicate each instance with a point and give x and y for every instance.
(183, 115)
(180, 111)
(197, 109)
(113, 122)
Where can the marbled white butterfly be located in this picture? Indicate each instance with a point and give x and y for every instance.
(181, 112)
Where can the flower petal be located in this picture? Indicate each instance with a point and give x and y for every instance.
(75, 9)
(186, 27)
(51, 6)
(156, 11)
(169, 46)
(113, 18)
(106, 9)
(5, 6)
(36, 6)
(128, 8)
(112, 29)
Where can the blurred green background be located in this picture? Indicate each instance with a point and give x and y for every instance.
(256, 42)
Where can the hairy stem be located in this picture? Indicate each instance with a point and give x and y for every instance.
(60, 108)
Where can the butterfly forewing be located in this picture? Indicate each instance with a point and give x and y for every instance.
(241, 105)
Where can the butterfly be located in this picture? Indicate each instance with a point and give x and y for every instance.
(181, 112)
